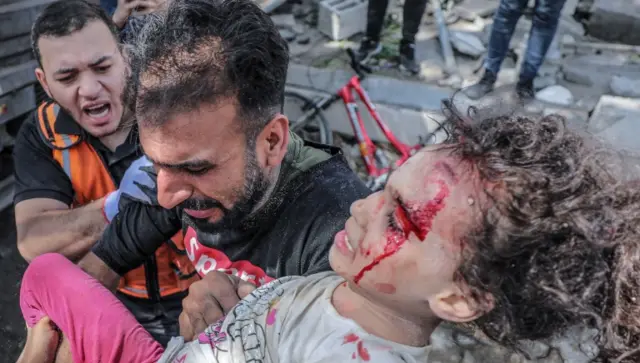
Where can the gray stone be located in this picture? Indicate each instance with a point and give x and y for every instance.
(283, 20)
(556, 95)
(586, 75)
(468, 44)
(625, 87)
(615, 120)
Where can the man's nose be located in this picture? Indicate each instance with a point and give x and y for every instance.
(90, 87)
(171, 189)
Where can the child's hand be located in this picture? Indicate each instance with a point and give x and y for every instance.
(42, 343)
(209, 300)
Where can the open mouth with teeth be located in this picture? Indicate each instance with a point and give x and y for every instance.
(348, 243)
(98, 111)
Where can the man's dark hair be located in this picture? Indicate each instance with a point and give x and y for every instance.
(64, 17)
(559, 241)
(204, 51)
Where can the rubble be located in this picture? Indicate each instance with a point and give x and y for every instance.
(611, 20)
(615, 119)
(555, 94)
(467, 44)
(625, 87)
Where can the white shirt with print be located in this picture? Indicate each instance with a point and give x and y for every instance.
(290, 320)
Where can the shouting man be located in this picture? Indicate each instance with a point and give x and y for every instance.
(253, 200)
(76, 150)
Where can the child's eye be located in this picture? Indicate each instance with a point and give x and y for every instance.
(399, 220)
(393, 223)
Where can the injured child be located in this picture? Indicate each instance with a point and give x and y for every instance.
(517, 227)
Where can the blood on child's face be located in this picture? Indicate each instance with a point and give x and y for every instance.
(404, 243)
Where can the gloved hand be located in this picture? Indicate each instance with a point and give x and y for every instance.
(137, 184)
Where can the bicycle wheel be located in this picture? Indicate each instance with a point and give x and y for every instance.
(306, 119)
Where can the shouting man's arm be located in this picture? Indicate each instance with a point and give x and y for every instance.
(48, 225)
(45, 221)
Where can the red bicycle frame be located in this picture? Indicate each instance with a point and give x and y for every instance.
(368, 150)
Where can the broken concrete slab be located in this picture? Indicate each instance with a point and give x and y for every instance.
(625, 86)
(555, 94)
(615, 21)
(615, 119)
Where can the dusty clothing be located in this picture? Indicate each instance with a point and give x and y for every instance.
(287, 320)
(290, 235)
(290, 320)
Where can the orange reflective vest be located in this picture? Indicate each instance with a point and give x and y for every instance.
(91, 181)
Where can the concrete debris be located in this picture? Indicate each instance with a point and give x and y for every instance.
(555, 94)
(284, 20)
(625, 87)
(468, 44)
(615, 120)
(611, 20)
(582, 74)
(470, 9)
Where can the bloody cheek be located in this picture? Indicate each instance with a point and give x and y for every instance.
(394, 241)
(419, 223)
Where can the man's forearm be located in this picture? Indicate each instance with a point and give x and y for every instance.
(95, 267)
(69, 232)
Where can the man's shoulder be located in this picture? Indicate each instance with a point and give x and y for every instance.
(329, 182)
(30, 132)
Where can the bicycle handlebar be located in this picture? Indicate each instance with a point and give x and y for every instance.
(360, 69)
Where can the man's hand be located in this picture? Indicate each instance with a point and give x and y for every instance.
(126, 7)
(209, 300)
(137, 184)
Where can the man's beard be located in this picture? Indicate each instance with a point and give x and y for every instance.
(254, 191)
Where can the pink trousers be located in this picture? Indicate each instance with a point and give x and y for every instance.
(99, 328)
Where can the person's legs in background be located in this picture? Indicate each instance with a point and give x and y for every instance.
(97, 326)
(543, 28)
(370, 45)
(412, 11)
(504, 23)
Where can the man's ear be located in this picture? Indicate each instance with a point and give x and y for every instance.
(454, 305)
(273, 140)
(43, 81)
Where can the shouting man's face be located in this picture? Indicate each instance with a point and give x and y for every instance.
(84, 72)
(206, 166)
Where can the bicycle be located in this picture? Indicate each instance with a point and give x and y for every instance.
(377, 164)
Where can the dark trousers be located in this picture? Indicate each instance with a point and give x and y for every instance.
(160, 319)
(412, 16)
(545, 22)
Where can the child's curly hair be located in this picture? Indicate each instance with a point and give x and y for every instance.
(558, 245)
